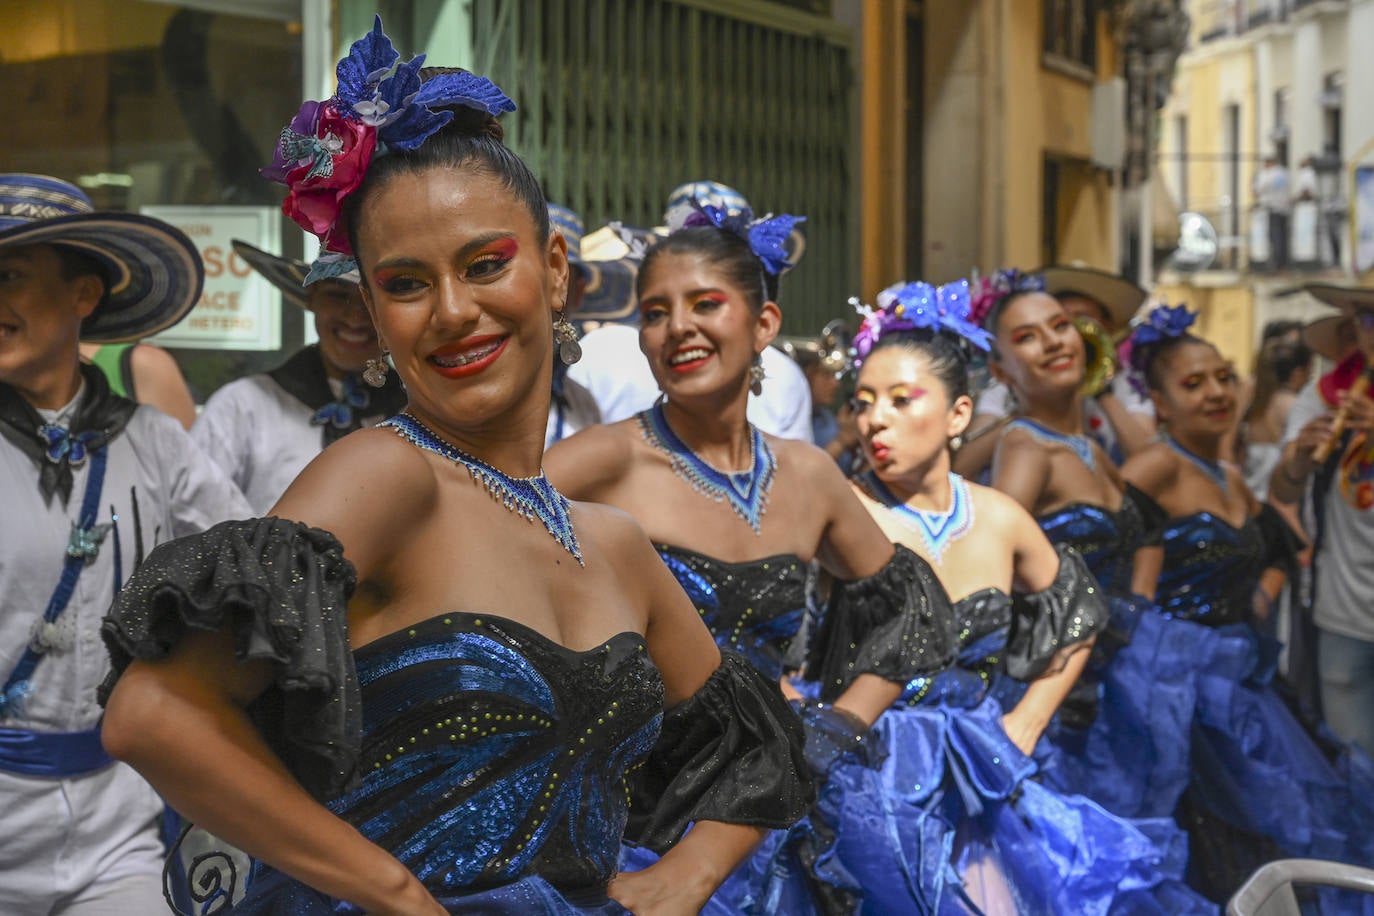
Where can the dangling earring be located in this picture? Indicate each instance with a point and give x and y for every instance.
(956, 443)
(374, 371)
(569, 350)
(757, 375)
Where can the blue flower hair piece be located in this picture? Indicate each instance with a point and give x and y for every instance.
(765, 237)
(1163, 323)
(912, 306)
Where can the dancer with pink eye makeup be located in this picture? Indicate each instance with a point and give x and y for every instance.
(1023, 622)
(427, 682)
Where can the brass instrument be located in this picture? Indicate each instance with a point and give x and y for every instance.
(1099, 348)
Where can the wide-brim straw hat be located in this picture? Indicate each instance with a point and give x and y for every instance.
(1333, 336)
(153, 272)
(286, 274)
(609, 292)
(1119, 296)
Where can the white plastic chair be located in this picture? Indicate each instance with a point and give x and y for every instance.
(1269, 891)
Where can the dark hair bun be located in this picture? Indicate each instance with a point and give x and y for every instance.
(467, 121)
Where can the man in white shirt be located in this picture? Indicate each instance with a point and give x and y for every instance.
(1273, 194)
(89, 482)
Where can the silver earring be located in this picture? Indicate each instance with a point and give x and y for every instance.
(756, 375)
(569, 350)
(956, 443)
(374, 371)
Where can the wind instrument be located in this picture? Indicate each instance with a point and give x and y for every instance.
(1357, 390)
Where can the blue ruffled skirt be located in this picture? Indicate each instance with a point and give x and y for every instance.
(949, 822)
(1134, 758)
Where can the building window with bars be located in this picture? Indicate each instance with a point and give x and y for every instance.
(1071, 35)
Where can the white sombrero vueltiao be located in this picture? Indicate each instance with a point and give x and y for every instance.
(1334, 335)
(153, 272)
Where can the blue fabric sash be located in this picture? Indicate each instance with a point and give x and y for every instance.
(52, 755)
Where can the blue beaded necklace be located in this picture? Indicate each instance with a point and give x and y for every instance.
(1081, 446)
(746, 491)
(528, 497)
(1212, 469)
(937, 529)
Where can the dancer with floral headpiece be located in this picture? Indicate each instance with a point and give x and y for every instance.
(739, 515)
(423, 684)
(1260, 787)
(955, 785)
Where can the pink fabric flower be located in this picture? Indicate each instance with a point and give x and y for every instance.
(314, 202)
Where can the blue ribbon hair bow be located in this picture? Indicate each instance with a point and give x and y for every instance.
(765, 237)
(340, 413)
(909, 306)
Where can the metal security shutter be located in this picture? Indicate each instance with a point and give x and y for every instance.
(623, 100)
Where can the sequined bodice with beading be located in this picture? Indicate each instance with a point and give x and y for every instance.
(490, 752)
(1210, 569)
(755, 607)
(1107, 540)
(982, 620)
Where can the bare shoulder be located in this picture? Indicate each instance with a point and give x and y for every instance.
(1152, 469)
(592, 459)
(371, 470)
(995, 508)
(812, 464)
(154, 360)
(609, 532)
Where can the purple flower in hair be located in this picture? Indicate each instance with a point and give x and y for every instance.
(912, 306)
(765, 237)
(1163, 323)
(992, 289)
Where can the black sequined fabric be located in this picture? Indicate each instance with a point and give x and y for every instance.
(282, 588)
(754, 608)
(1072, 609)
(1211, 568)
(731, 752)
(896, 624)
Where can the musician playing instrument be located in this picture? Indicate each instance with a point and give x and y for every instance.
(1341, 488)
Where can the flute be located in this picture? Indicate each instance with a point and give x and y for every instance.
(1357, 390)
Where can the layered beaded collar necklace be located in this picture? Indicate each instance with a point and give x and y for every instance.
(1212, 469)
(528, 497)
(1081, 446)
(937, 529)
(746, 491)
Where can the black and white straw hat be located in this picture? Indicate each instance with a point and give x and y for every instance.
(153, 273)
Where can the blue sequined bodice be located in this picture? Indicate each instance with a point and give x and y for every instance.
(490, 753)
(1107, 540)
(754, 608)
(983, 620)
(1210, 569)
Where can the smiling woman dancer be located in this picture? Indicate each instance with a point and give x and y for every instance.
(740, 540)
(955, 783)
(1260, 788)
(419, 686)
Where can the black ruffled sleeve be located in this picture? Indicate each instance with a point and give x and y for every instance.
(282, 589)
(1281, 543)
(1070, 611)
(897, 624)
(731, 752)
(1152, 515)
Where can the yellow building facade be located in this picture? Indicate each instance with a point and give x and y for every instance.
(1010, 168)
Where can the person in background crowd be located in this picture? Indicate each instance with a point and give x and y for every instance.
(146, 374)
(1118, 417)
(824, 362)
(428, 683)
(1282, 370)
(1273, 192)
(616, 373)
(573, 406)
(89, 483)
(1261, 788)
(1334, 466)
(264, 429)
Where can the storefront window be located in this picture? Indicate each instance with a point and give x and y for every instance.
(169, 108)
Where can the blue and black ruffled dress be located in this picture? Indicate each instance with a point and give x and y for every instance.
(1261, 787)
(496, 765)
